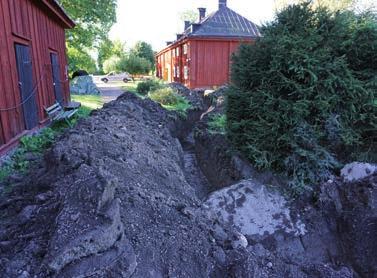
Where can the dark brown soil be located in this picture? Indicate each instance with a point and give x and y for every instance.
(120, 195)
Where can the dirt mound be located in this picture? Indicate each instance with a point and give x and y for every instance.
(195, 97)
(115, 190)
(351, 210)
(121, 195)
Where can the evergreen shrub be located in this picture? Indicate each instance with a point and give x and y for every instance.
(303, 97)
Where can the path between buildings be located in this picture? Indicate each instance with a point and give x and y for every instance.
(110, 91)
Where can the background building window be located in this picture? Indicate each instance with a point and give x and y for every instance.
(186, 72)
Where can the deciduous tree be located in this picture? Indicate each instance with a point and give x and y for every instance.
(144, 50)
(93, 18)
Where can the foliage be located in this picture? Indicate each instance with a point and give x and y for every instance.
(189, 15)
(165, 96)
(306, 154)
(35, 145)
(105, 51)
(80, 60)
(111, 64)
(94, 19)
(217, 124)
(131, 87)
(143, 88)
(134, 65)
(119, 48)
(170, 100)
(108, 51)
(131, 64)
(144, 50)
(330, 4)
(313, 72)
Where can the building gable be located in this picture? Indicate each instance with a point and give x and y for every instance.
(225, 23)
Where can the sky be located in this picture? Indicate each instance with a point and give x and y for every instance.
(158, 21)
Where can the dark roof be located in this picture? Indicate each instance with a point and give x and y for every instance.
(224, 23)
(55, 7)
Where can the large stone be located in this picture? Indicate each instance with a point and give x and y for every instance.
(357, 171)
(84, 85)
(253, 209)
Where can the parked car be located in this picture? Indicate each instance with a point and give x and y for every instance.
(113, 76)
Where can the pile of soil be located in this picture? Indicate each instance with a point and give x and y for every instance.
(123, 195)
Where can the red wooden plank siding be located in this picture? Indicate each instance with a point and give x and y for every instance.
(9, 72)
(209, 61)
(30, 23)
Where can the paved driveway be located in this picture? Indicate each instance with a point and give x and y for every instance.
(109, 91)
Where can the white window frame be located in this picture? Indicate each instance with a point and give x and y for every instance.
(186, 72)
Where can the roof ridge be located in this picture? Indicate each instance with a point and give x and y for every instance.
(226, 22)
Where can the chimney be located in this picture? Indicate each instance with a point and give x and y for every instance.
(202, 13)
(187, 24)
(194, 27)
(222, 4)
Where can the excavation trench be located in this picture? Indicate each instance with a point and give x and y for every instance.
(137, 191)
(318, 236)
(193, 172)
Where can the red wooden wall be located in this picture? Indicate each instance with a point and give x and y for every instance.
(208, 61)
(26, 22)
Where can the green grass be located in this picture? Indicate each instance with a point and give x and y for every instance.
(217, 124)
(170, 100)
(181, 107)
(37, 144)
(88, 103)
(130, 86)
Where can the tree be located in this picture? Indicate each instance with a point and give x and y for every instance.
(119, 48)
(105, 51)
(303, 97)
(127, 63)
(189, 15)
(144, 50)
(112, 64)
(338, 5)
(108, 49)
(80, 60)
(134, 65)
(94, 19)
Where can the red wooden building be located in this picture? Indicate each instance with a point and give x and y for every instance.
(33, 65)
(200, 57)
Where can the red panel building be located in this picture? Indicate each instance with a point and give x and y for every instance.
(200, 57)
(33, 65)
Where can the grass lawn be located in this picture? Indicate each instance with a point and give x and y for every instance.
(88, 103)
(130, 86)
